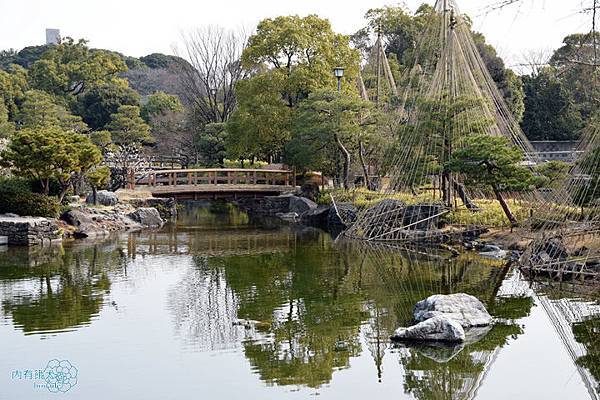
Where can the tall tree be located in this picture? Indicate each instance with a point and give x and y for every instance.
(70, 68)
(550, 111)
(302, 50)
(39, 110)
(261, 125)
(160, 103)
(13, 85)
(209, 79)
(324, 121)
(128, 127)
(98, 103)
(577, 63)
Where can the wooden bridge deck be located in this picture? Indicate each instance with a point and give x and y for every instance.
(214, 183)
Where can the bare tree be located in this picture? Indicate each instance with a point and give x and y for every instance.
(208, 82)
(533, 61)
(175, 137)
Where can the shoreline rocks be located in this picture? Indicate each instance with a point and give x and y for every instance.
(147, 217)
(103, 198)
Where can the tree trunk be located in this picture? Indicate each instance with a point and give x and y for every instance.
(361, 155)
(462, 193)
(95, 195)
(346, 155)
(446, 189)
(46, 186)
(505, 207)
(62, 193)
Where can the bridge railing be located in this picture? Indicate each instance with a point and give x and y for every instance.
(215, 177)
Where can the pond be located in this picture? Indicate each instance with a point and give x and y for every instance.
(221, 307)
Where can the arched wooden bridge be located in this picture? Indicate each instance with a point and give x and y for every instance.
(196, 184)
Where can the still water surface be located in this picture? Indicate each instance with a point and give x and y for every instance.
(156, 315)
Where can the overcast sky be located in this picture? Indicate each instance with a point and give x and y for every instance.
(140, 27)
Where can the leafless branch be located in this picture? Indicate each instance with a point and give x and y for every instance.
(214, 69)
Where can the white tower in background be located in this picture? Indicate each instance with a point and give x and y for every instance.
(52, 36)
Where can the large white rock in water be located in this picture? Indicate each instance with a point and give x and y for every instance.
(439, 329)
(465, 309)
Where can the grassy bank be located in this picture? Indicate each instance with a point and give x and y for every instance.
(490, 212)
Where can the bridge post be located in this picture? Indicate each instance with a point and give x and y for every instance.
(294, 176)
(131, 179)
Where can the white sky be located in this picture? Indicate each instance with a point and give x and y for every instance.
(140, 27)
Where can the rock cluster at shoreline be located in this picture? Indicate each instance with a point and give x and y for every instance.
(113, 214)
(85, 220)
(297, 209)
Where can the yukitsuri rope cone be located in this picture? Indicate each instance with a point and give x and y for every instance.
(447, 97)
(566, 225)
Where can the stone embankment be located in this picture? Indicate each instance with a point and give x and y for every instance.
(112, 212)
(28, 231)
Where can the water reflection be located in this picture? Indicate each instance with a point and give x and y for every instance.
(309, 307)
(294, 305)
(54, 290)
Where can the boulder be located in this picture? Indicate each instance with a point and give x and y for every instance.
(148, 217)
(345, 216)
(76, 218)
(422, 216)
(288, 217)
(386, 210)
(555, 249)
(493, 251)
(465, 309)
(86, 224)
(300, 205)
(167, 207)
(439, 329)
(73, 199)
(310, 190)
(103, 198)
(316, 217)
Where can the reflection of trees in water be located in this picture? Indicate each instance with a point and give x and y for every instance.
(396, 280)
(205, 309)
(211, 215)
(313, 304)
(587, 333)
(576, 322)
(312, 321)
(62, 292)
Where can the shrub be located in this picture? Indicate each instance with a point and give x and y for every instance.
(16, 197)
